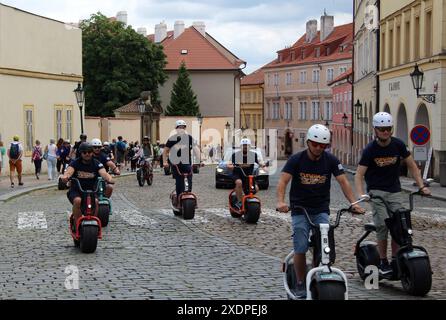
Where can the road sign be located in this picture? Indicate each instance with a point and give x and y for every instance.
(420, 153)
(420, 135)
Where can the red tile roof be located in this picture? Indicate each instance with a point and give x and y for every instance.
(201, 53)
(343, 76)
(257, 77)
(330, 48)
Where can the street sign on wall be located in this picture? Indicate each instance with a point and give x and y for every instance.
(420, 135)
(420, 153)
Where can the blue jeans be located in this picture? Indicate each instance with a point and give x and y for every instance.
(301, 229)
(179, 179)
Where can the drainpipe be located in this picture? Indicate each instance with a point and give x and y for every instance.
(352, 111)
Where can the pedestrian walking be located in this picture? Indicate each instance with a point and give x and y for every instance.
(15, 153)
(36, 158)
(59, 146)
(2, 156)
(51, 159)
(120, 151)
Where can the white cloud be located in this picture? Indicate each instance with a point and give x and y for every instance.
(252, 29)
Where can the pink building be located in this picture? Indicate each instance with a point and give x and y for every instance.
(342, 117)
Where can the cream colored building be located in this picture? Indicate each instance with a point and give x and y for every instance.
(40, 66)
(414, 32)
(297, 94)
(365, 88)
(108, 129)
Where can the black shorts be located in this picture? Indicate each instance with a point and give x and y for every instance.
(72, 194)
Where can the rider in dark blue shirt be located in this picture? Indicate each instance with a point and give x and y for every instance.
(106, 162)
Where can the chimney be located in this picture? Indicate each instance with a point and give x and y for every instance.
(160, 32)
(178, 29)
(121, 16)
(327, 26)
(142, 31)
(200, 26)
(311, 30)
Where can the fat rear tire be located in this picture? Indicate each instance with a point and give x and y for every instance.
(252, 212)
(328, 290)
(140, 177)
(89, 239)
(416, 276)
(188, 207)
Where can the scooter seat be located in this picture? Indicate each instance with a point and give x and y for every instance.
(369, 227)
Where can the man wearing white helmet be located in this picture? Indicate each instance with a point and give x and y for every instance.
(244, 159)
(310, 173)
(177, 152)
(106, 162)
(380, 166)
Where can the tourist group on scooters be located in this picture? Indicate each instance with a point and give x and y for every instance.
(310, 173)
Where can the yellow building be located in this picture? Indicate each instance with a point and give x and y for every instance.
(251, 107)
(40, 66)
(414, 32)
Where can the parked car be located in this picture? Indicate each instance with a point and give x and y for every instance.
(223, 177)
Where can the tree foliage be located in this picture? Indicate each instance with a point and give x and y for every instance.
(183, 101)
(118, 64)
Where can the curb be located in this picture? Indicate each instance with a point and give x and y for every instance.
(16, 194)
(405, 189)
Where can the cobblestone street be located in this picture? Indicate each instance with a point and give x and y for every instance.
(147, 253)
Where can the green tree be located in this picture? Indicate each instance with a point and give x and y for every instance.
(183, 101)
(118, 64)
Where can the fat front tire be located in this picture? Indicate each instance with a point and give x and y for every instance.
(104, 214)
(366, 256)
(416, 276)
(188, 208)
(89, 239)
(328, 290)
(252, 212)
(140, 177)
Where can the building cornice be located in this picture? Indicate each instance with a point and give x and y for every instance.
(41, 75)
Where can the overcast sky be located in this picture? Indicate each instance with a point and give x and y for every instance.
(252, 30)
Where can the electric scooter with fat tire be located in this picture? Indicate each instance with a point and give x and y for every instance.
(187, 201)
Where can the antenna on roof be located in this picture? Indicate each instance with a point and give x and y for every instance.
(325, 11)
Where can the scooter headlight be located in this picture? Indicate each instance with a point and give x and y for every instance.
(327, 250)
(220, 170)
(410, 231)
(261, 171)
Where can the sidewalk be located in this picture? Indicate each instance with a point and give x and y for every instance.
(30, 183)
(438, 192)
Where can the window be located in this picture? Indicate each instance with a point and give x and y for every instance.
(59, 123)
(269, 80)
(29, 128)
(276, 79)
(416, 40)
(288, 78)
(315, 110)
(429, 34)
(328, 112)
(248, 97)
(303, 110)
(330, 75)
(303, 54)
(367, 56)
(343, 70)
(398, 45)
(276, 111)
(303, 77)
(69, 124)
(317, 52)
(316, 76)
(407, 42)
(390, 48)
(293, 55)
(288, 110)
(383, 51)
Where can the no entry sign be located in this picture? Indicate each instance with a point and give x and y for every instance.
(420, 135)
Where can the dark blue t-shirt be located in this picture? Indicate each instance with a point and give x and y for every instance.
(86, 173)
(310, 186)
(383, 164)
(102, 158)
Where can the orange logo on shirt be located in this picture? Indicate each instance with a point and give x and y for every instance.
(85, 175)
(385, 161)
(311, 179)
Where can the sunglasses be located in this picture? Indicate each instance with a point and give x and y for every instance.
(97, 147)
(87, 152)
(320, 145)
(384, 129)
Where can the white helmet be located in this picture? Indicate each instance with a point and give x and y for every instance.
(96, 143)
(382, 119)
(319, 133)
(245, 142)
(180, 123)
(106, 143)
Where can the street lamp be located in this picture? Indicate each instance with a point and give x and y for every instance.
(79, 92)
(200, 122)
(344, 120)
(358, 110)
(417, 80)
(142, 110)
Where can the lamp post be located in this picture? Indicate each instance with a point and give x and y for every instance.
(358, 110)
(200, 122)
(142, 110)
(417, 80)
(228, 127)
(79, 92)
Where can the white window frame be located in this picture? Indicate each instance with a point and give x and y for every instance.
(303, 77)
(289, 78)
(330, 74)
(316, 75)
(315, 110)
(303, 110)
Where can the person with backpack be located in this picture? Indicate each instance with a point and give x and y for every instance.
(120, 151)
(15, 153)
(51, 159)
(37, 157)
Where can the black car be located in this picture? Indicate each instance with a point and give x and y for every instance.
(223, 178)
